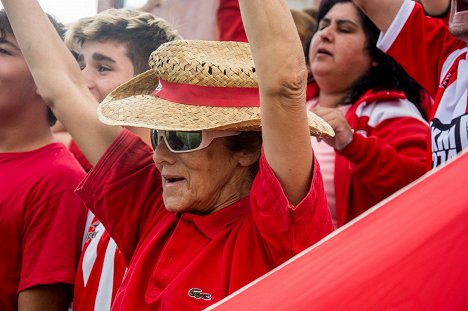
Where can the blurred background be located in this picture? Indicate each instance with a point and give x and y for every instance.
(68, 11)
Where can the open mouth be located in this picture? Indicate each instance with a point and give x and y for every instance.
(172, 179)
(323, 52)
(461, 5)
(460, 11)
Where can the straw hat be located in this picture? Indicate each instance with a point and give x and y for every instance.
(202, 85)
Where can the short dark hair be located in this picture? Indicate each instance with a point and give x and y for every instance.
(246, 141)
(5, 28)
(387, 74)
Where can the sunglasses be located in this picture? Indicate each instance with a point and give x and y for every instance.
(181, 141)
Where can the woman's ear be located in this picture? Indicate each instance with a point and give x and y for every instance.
(246, 158)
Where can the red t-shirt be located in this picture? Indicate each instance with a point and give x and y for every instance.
(438, 62)
(183, 261)
(41, 220)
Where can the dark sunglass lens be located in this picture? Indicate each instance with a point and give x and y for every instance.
(180, 141)
(154, 138)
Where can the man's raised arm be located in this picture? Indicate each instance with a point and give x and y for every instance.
(58, 77)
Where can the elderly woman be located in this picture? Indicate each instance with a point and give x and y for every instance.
(224, 198)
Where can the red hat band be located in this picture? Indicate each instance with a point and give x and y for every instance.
(210, 96)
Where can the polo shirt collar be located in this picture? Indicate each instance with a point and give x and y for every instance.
(212, 224)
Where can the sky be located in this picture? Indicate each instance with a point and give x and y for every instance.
(68, 11)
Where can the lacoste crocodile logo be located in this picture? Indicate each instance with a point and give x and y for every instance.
(199, 294)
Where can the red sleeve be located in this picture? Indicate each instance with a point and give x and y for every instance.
(51, 241)
(420, 44)
(445, 17)
(124, 191)
(283, 225)
(79, 156)
(230, 27)
(394, 154)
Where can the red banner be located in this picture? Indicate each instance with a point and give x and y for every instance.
(408, 253)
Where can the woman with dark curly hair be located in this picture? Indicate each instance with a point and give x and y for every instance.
(373, 106)
(231, 188)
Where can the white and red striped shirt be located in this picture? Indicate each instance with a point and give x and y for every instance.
(438, 62)
(100, 270)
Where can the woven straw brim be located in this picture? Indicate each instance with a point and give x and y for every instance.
(188, 62)
(152, 112)
(155, 113)
(132, 104)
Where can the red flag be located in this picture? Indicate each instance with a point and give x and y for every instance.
(408, 253)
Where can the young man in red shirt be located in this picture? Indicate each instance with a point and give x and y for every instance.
(112, 48)
(41, 218)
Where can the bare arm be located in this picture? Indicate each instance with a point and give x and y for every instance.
(381, 12)
(435, 7)
(150, 5)
(46, 297)
(58, 78)
(280, 66)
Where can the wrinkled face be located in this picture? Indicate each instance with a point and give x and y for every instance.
(104, 66)
(202, 181)
(17, 86)
(459, 19)
(338, 52)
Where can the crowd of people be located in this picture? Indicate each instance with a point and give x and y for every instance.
(181, 170)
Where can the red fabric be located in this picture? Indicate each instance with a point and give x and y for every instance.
(438, 62)
(426, 103)
(100, 271)
(445, 17)
(230, 27)
(79, 156)
(184, 261)
(311, 90)
(41, 220)
(408, 254)
(199, 95)
(388, 151)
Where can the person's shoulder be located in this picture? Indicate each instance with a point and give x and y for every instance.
(56, 162)
(387, 105)
(46, 171)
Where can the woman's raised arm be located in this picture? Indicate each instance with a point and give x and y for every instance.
(281, 71)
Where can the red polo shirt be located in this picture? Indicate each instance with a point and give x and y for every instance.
(185, 261)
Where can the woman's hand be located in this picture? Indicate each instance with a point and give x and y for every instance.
(337, 120)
